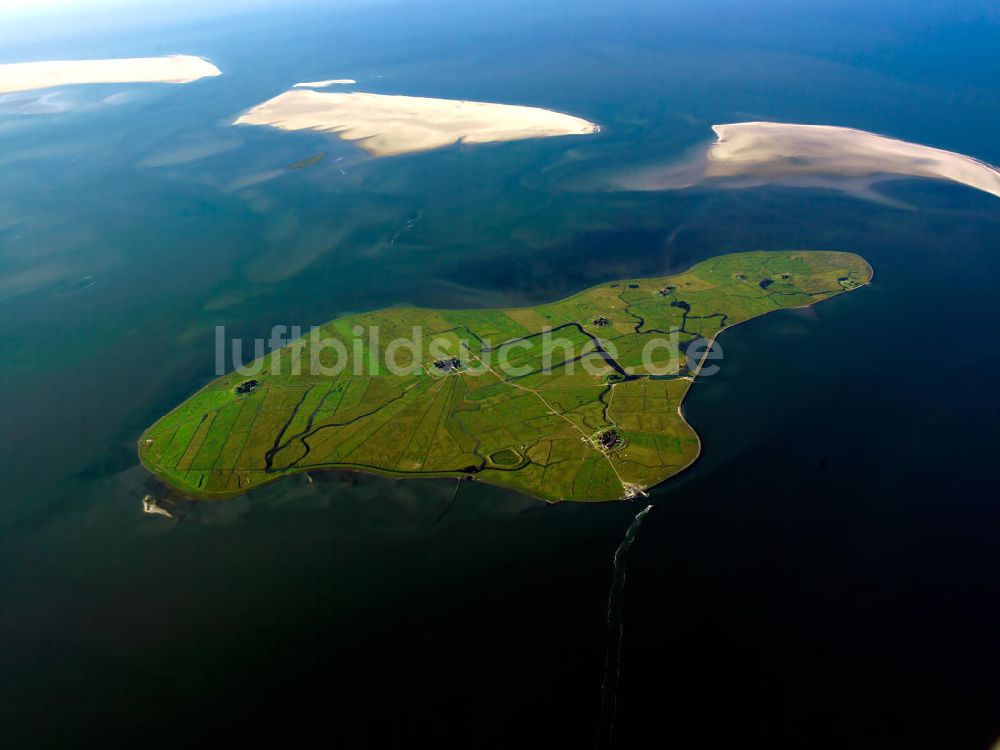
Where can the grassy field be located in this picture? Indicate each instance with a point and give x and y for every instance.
(590, 411)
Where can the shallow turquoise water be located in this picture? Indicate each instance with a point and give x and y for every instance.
(826, 573)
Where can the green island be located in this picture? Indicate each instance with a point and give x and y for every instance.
(578, 399)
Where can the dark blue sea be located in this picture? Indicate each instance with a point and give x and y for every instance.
(827, 575)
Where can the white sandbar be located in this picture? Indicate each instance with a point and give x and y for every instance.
(391, 125)
(49, 73)
(324, 84)
(775, 150)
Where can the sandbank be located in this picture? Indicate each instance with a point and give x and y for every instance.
(746, 154)
(386, 125)
(772, 149)
(324, 84)
(48, 73)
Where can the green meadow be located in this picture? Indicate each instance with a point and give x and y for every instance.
(577, 399)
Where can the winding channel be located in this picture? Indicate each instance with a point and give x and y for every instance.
(623, 376)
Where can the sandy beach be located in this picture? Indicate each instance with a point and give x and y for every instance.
(391, 125)
(49, 73)
(771, 149)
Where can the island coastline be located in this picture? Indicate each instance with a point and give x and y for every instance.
(631, 485)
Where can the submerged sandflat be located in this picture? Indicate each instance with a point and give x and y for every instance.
(49, 73)
(476, 398)
(389, 125)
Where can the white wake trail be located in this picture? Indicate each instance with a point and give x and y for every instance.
(612, 659)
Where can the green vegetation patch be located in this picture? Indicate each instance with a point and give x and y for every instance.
(519, 397)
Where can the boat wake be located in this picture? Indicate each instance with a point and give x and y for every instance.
(612, 659)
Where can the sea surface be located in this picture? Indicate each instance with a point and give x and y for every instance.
(827, 575)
